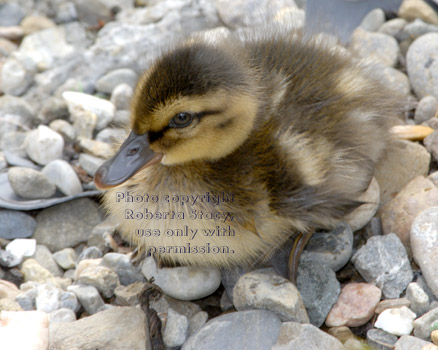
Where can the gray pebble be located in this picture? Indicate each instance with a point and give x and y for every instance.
(101, 235)
(121, 96)
(111, 135)
(184, 282)
(379, 47)
(68, 300)
(63, 176)
(254, 329)
(418, 298)
(15, 224)
(121, 118)
(44, 145)
(64, 128)
(30, 184)
(121, 264)
(17, 74)
(52, 109)
(383, 261)
(427, 108)
(408, 342)
(319, 289)
(101, 277)
(332, 248)
(67, 224)
(10, 14)
(197, 322)
(373, 20)
(393, 26)
(422, 65)
(109, 81)
(14, 142)
(62, 315)
(88, 296)
(381, 340)
(394, 79)
(424, 242)
(7, 259)
(416, 29)
(264, 289)
(175, 332)
(18, 107)
(45, 258)
(422, 325)
(15, 160)
(48, 298)
(90, 163)
(89, 253)
(27, 300)
(66, 258)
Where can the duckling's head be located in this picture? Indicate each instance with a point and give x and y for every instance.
(196, 102)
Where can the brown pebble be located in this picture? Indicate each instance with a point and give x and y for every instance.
(434, 336)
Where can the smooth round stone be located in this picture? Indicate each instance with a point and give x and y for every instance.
(373, 20)
(424, 240)
(31, 24)
(393, 26)
(22, 247)
(30, 184)
(121, 96)
(380, 339)
(90, 163)
(422, 65)
(411, 10)
(264, 289)
(393, 79)
(197, 322)
(254, 329)
(44, 145)
(398, 321)
(63, 176)
(16, 75)
(378, 47)
(414, 30)
(109, 81)
(319, 289)
(66, 258)
(383, 261)
(332, 249)
(64, 128)
(103, 109)
(15, 224)
(355, 306)
(185, 282)
(427, 108)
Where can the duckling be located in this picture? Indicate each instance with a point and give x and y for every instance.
(270, 137)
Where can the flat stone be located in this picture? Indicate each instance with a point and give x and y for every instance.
(381, 340)
(424, 325)
(30, 184)
(121, 264)
(90, 163)
(296, 336)
(422, 63)
(34, 322)
(185, 282)
(118, 328)
(128, 295)
(383, 261)
(254, 329)
(67, 224)
(176, 329)
(408, 342)
(378, 47)
(103, 109)
(264, 289)
(332, 248)
(392, 303)
(427, 108)
(397, 321)
(402, 162)
(15, 224)
(424, 240)
(355, 306)
(88, 296)
(399, 214)
(319, 289)
(197, 322)
(393, 26)
(44, 145)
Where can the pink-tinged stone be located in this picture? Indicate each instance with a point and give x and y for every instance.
(399, 213)
(24, 330)
(355, 306)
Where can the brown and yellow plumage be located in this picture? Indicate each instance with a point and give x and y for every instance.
(292, 127)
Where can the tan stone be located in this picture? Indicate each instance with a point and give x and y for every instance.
(391, 303)
(399, 213)
(411, 10)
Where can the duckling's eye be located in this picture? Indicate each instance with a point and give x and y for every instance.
(181, 120)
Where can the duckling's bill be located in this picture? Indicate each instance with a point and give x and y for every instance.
(134, 155)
